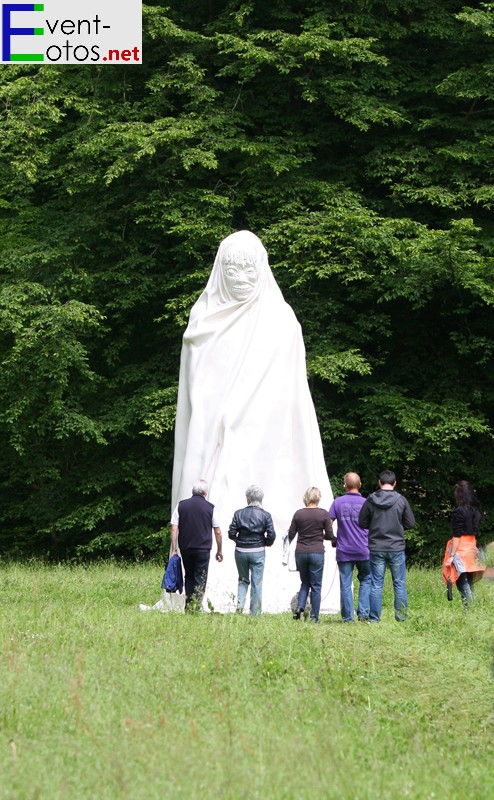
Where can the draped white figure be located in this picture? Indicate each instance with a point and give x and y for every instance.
(245, 415)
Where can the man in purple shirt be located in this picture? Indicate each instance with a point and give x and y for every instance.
(352, 549)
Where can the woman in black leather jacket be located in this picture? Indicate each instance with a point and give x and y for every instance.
(252, 531)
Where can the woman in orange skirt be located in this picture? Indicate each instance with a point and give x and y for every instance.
(462, 561)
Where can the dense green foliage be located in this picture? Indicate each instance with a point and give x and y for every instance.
(356, 140)
(100, 701)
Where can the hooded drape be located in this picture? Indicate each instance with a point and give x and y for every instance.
(245, 414)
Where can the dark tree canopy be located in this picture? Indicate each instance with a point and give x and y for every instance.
(356, 139)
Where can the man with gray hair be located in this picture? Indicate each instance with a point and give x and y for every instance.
(192, 522)
(252, 531)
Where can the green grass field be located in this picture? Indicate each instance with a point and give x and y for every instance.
(98, 700)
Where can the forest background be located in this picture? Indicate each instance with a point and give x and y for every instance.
(356, 140)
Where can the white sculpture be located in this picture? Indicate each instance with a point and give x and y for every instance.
(245, 415)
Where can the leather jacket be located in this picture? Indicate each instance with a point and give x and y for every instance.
(252, 527)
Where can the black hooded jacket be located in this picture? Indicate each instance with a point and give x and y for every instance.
(387, 515)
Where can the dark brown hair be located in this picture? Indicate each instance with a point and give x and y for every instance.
(465, 496)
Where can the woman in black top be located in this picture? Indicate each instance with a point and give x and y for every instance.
(313, 525)
(462, 559)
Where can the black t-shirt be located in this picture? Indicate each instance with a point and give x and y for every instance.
(313, 525)
(465, 521)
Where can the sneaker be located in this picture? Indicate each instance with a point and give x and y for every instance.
(298, 613)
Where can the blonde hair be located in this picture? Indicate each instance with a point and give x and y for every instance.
(312, 496)
(352, 480)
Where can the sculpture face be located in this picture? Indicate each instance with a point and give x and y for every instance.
(240, 274)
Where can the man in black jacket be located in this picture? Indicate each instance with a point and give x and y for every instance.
(387, 515)
(252, 531)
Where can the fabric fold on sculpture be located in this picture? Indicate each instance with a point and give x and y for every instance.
(245, 414)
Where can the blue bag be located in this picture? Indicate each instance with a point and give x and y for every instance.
(173, 579)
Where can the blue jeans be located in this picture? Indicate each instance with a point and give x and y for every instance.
(346, 595)
(464, 584)
(396, 562)
(310, 566)
(250, 565)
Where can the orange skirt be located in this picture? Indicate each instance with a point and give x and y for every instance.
(467, 558)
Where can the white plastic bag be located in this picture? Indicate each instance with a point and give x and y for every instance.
(288, 557)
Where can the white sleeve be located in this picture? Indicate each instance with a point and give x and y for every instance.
(175, 515)
(215, 521)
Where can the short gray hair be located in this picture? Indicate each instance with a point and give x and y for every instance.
(254, 494)
(200, 487)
